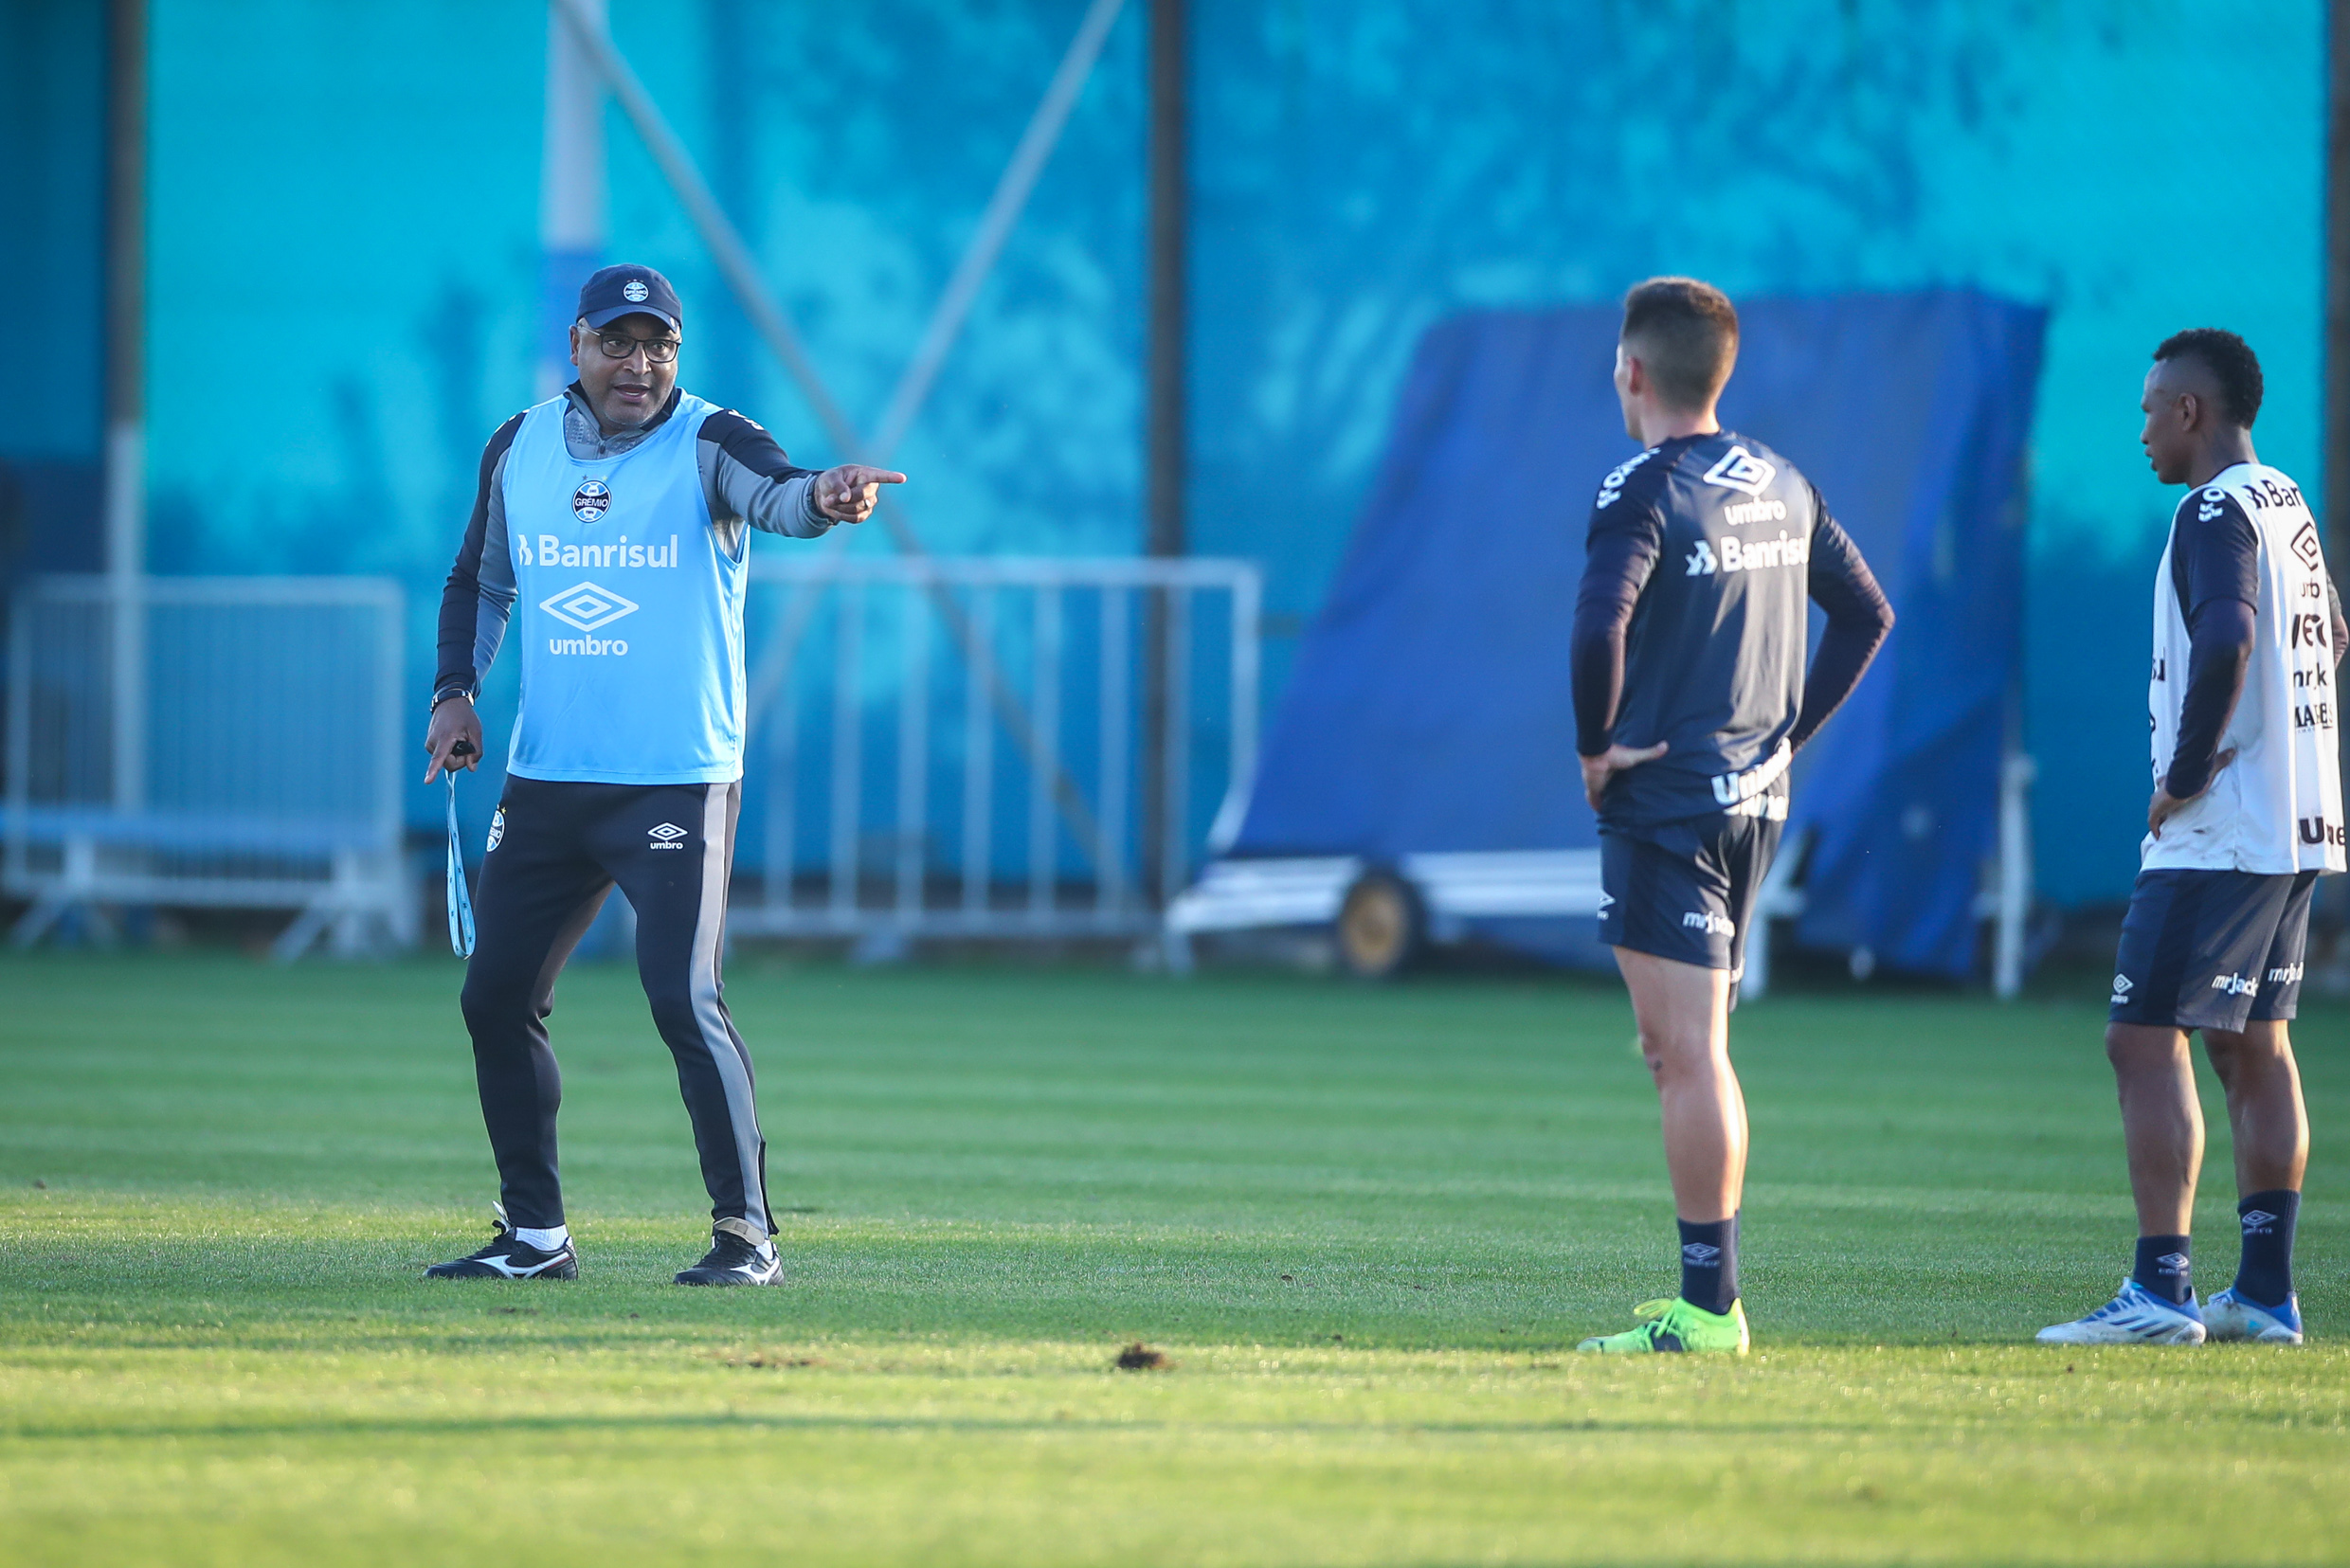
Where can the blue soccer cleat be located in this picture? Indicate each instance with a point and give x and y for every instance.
(2229, 1316)
(2136, 1316)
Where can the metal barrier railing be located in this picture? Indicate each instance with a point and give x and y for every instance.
(249, 761)
(1058, 646)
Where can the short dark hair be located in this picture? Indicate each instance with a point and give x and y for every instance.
(1688, 334)
(2232, 362)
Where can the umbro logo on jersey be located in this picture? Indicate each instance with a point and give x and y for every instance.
(2258, 1221)
(591, 500)
(1700, 1254)
(1739, 512)
(588, 607)
(666, 837)
(2235, 985)
(1742, 470)
(2121, 989)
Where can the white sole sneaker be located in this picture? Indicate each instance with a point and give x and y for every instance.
(2132, 1317)
(2230, 1317)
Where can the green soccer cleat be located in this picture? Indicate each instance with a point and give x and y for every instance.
(1668, 1325)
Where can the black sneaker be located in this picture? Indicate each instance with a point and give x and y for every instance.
(733, 1261)
(510, 1257)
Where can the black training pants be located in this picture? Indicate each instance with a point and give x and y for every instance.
(555, 851)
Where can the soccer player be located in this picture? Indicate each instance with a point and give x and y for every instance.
(1691, 699)
(613, 524)
(2246, 813)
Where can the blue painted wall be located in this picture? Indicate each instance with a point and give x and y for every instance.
(344, 254)
(52, 189)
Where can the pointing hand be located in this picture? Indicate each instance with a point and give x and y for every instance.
(847, 494)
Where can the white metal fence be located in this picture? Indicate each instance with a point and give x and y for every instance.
(207, 743)
(957, 747)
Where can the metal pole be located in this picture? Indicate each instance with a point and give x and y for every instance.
(1164, 441)
(126, 403)
(570, 190)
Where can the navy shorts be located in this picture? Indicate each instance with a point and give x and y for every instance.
(2212, 949)
(1686, 890)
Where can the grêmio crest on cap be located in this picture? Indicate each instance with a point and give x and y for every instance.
(591, 500)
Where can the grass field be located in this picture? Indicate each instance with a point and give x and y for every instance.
(1366, 1226)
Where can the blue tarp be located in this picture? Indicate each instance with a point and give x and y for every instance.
(1428, 708)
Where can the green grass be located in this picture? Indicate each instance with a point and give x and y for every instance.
(1366, 1225)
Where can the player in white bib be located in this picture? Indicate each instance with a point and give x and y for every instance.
(2247, 814)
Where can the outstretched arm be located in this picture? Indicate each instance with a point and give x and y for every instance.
(1841, 584)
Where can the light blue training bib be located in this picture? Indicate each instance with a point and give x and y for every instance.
(628, 609)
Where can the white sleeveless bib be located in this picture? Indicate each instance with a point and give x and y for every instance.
(2277, 807)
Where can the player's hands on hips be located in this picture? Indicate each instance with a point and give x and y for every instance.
(453, 738)
(1599, 769)
(2165, 805)
(847, 494)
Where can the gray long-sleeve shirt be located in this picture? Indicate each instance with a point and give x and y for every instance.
(745, 479)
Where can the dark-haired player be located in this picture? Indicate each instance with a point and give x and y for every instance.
(2246, 813)
(1691, 699)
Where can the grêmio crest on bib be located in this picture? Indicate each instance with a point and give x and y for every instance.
(591, 500)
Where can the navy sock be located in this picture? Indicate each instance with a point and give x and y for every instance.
(2162, 1268)
(1709, 1263)
(2266, 1276)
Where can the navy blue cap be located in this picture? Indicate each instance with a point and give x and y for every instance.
(615, 291)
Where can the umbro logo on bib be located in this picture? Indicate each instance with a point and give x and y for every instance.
(588, 607)
(591, 500)
(2307, 549)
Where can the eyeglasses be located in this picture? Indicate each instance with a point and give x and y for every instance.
(661, 351)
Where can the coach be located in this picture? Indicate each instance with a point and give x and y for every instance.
(613, 524)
